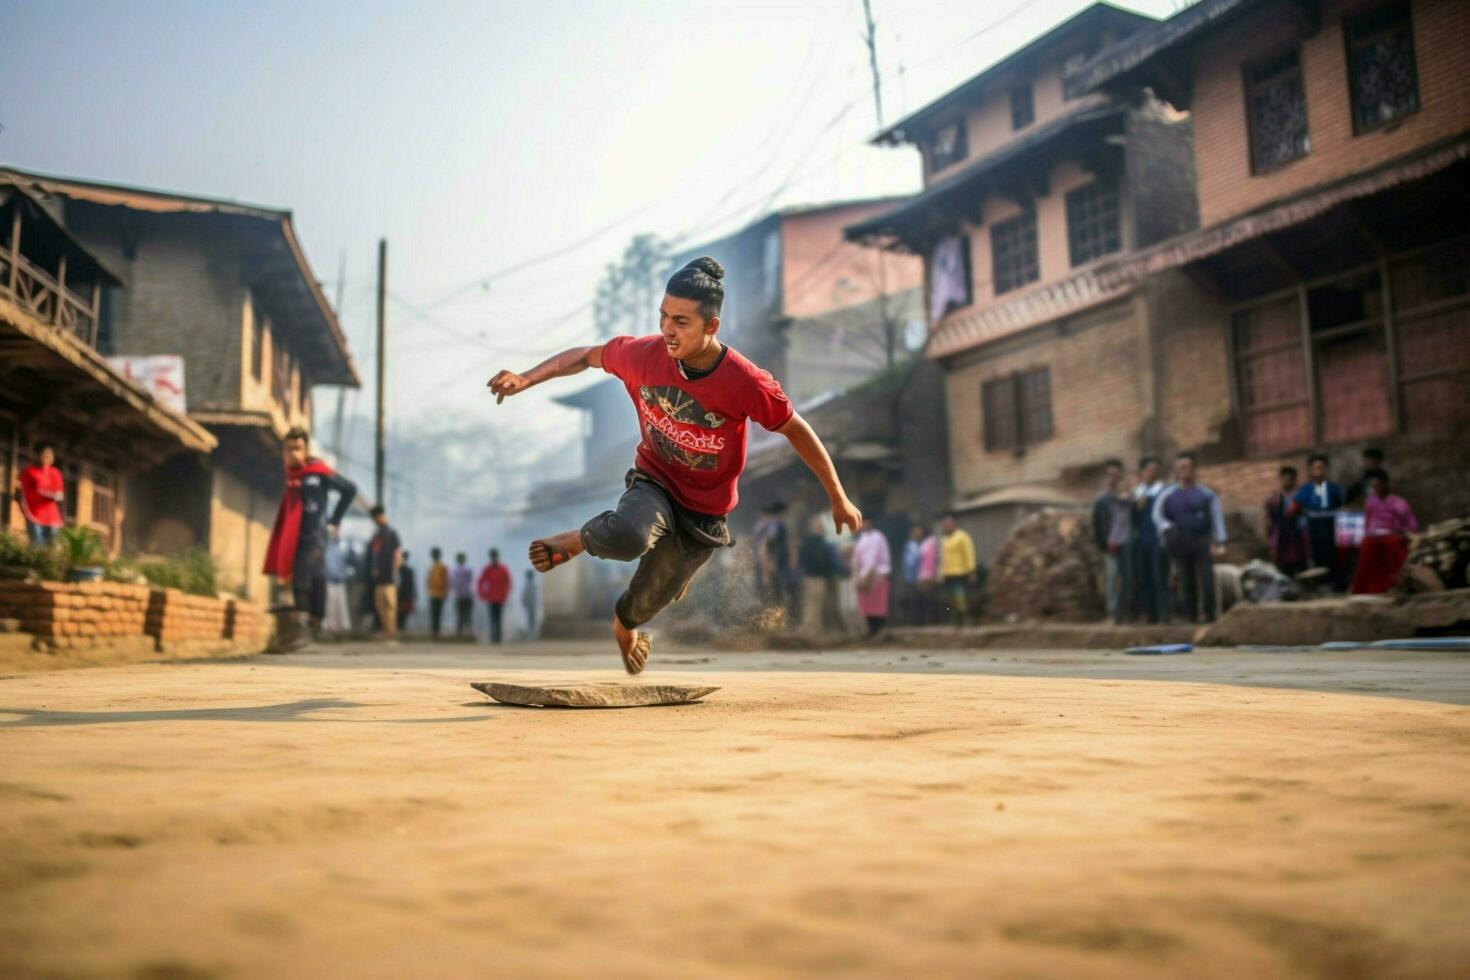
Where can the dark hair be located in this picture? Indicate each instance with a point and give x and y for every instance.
(1318, 456)
(376, 511)
(494, 553)
(1287, 471)
(1111, 462)
(435, 552)
(950, 514)
(1146, 460)
(1373, 452)
(1377, 473)
(297, 432)
(1187, 454)
(41, 447)
(700, 280)
(459, 556)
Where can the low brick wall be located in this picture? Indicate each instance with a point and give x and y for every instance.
(89, 615)
(66, 615)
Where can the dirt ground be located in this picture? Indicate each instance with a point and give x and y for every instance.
(364, 813)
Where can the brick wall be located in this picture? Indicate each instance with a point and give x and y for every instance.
(1222, 147)
(76, 615)
(1191, 361)
(184, 295)
(239, 530)
(1099, 401)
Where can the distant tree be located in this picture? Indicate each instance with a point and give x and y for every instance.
(627, 297)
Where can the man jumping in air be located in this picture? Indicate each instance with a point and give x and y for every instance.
(693, 395)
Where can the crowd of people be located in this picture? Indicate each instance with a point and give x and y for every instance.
(832, 585)
(1160, 541)
(382, 587)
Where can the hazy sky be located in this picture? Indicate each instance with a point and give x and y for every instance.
(476, 136)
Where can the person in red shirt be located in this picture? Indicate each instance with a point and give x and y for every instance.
(42, 491)
(493, 589)
(693, 396)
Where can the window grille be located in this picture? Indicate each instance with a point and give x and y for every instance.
(1013, 257)
(1016, 410)
(1277, 106)
(948, 147)
(1092, 221)
(1384, 79)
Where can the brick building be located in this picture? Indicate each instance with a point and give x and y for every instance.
(228, 288)
(1325, 301)
(55, 384)
(1030, 189)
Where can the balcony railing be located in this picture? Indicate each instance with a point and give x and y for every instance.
(38, 291)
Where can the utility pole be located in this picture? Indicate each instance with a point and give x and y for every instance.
(337, 446)
(872, 38)
(382, 366)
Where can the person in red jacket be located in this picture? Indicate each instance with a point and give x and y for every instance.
(494, 589)
(42, 491)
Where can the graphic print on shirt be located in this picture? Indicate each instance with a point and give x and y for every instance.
(679, 428)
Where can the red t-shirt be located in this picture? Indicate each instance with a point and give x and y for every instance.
(694, 430)
(35, 483)
(494, 584)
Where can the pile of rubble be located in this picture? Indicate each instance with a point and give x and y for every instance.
(1440, 558)
(1048, 569)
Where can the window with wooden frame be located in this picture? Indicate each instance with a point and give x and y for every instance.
(1276, 107)
(949, 146)
(1016, 410)
(1013, 256)
(281, 376)
(1093, 228)
(1023, 107)
(104, 503)
(1383, 78)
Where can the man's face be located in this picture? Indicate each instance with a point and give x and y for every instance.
(686, 333)
(381, 520)
(1317, 470)
(1184, 470)
(947, 525)
(1150, 472)
(295, 452)
(1114, 475)
(1369, 463)
(48, 458)
(1288, 482)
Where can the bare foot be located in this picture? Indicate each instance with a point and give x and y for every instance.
(558, 549)
(633, 645)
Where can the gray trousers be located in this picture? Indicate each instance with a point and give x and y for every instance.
(668, 542)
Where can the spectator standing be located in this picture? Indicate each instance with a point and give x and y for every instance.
(462, 587)
(1149, 565)
(958, 568)
(929, 602)
(1320, 499)
(530, 604)
(773, 557)
(436, 584)
(408, 592)
(912, 556)
(494, 590)
(1112, 529)
(338, 570)
(1284, 535)
(817, 561)
(1191, 523)
(385, 556)
(42, 491)
(1387, 523)
(872, 562)
(1369, 460)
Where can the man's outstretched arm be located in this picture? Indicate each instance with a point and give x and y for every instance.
(565, 364)
(814, 455)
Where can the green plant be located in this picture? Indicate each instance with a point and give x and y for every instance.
(81, 547)
(194, 572)
(45, 562)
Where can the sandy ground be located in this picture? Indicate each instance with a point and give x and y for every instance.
(365, 813)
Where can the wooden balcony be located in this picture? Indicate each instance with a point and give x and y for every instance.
(46, 273)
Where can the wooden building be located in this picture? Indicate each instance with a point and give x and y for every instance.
(227, 287)
(1325, 301)
(1029, 190)
(55, 384)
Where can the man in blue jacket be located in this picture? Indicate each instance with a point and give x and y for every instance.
(1320, 499)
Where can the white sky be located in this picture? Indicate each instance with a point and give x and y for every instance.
(475, 136)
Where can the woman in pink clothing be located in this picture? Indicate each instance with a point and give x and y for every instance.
(872, 564)
(1387, 524)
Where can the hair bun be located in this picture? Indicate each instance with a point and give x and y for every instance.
(708, 266)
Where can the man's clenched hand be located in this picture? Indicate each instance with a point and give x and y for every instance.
(507, 383)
